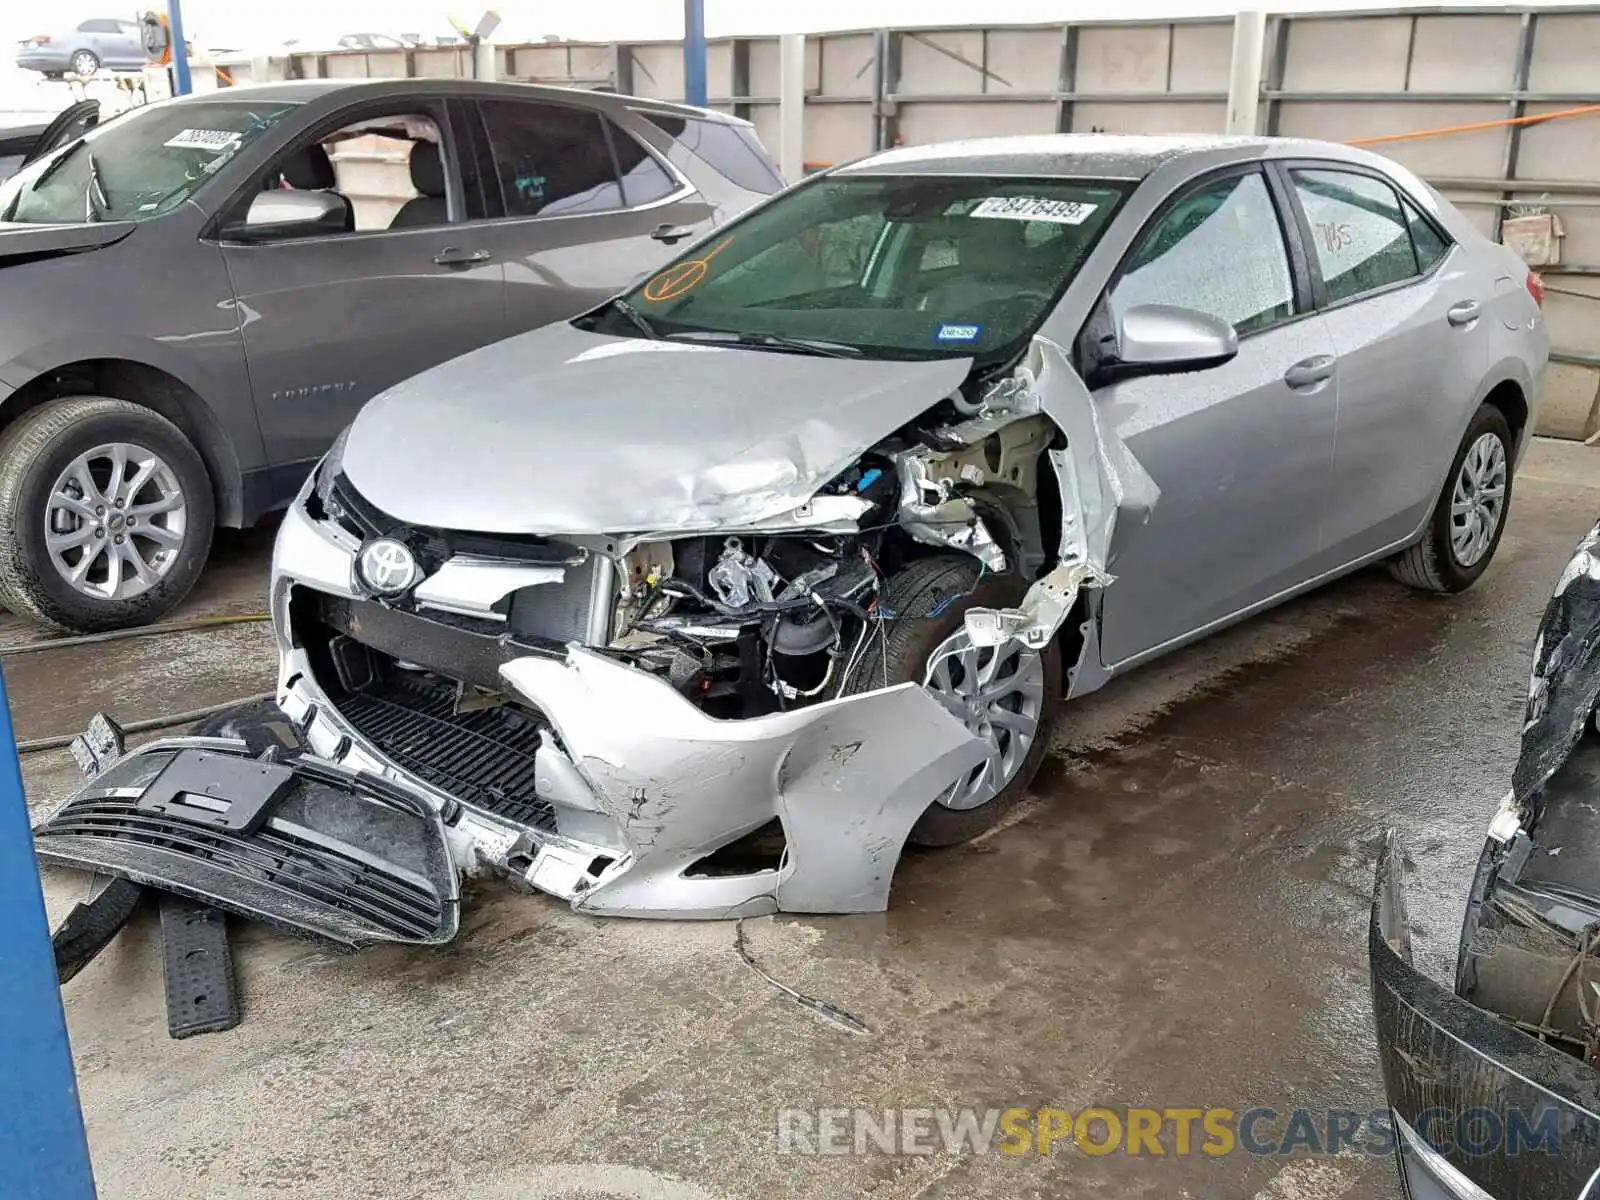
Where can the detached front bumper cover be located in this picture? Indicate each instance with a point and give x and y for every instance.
(317, 851)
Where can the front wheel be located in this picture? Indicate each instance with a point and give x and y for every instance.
(1004, 695)
(106, 515)
(1470, 515)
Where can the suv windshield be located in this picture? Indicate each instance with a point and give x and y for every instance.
(139, 165)
(887, 266)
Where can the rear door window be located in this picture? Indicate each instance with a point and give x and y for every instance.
(551, 160)
(1429, 243)
(733, 150)
(644, 179)
(1361, 239)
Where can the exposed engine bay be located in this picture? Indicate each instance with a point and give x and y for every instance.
(753, 623)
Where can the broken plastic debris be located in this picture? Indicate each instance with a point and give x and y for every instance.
(1042, 611)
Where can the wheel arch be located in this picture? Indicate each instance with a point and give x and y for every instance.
(1509, 387)
(142, 383)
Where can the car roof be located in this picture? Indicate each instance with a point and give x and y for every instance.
(1090, 155)
(307, 90)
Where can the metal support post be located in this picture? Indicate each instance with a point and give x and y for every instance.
(1244, 78)
(694, 52)
(181, 85)
(792, 106)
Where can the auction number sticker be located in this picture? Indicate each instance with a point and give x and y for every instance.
(1034, 208)
(216, 140)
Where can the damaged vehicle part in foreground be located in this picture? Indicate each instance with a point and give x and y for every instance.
(302, 845)
(1496, 1088)
(730, 588)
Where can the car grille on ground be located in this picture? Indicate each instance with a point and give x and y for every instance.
(484, 759)
(312, 869)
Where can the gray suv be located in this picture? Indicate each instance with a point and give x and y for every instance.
(200, 294)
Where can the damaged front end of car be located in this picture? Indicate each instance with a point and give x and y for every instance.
(652, 694)
(1494, 1087)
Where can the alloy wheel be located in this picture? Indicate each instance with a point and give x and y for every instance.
(998, 694)
(1478, 500)
(115, 521)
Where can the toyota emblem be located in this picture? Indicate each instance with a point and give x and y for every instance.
(388, 567)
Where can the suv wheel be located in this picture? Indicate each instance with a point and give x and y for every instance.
(106, 515)
(1005, 695)
(1470, 516)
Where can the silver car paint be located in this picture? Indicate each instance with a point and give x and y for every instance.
(585, 433)
(1175, 490)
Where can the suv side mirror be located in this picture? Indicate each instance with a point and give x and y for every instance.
(283, 213)
(1161, 339)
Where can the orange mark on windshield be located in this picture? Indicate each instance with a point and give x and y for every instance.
(682, 278)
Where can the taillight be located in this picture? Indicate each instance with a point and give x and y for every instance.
(42, 39)
(1536, 287)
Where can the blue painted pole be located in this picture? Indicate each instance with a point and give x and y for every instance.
(694, 51)
(43, 1152)
(180, 50)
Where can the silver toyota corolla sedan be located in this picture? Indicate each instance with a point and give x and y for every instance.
(705, 602)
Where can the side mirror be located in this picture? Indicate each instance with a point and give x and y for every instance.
(1162, 339)
(283, 213)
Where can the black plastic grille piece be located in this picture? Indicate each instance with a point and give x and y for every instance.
(276, 859)
(483, 758)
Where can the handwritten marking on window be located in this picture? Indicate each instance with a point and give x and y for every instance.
(682, 277)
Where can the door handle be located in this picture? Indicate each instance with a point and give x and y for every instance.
(455, 256)
(1309, 372)
(671, 233)
(1464, 313)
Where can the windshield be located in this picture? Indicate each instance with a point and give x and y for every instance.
(139, 165)
(902, 266)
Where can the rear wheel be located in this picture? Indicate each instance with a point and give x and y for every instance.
(105, 515)
(85, 63)
(1003, 695)
(1470, 515)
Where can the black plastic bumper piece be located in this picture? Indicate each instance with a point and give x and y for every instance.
(1516, 1117)
(90, 926)
(333, 855)
(201, 995)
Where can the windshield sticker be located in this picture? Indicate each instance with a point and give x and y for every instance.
(958, 333)
(215, 140)
(1033, 208)
(682, 278)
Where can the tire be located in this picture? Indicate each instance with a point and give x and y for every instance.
(85, 63)
(36, 452)
(1433, 564)
(928, 602)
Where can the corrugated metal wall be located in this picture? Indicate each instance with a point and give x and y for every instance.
(1335, 76)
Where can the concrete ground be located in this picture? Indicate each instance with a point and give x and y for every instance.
(1176, 918)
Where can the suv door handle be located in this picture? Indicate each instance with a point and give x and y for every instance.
(672, 233)
(1309, 372)
(1464, 313)
(455, 256)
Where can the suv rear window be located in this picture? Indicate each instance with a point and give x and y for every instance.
(733, 150)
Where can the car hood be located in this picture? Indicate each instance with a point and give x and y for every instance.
(562, 431)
